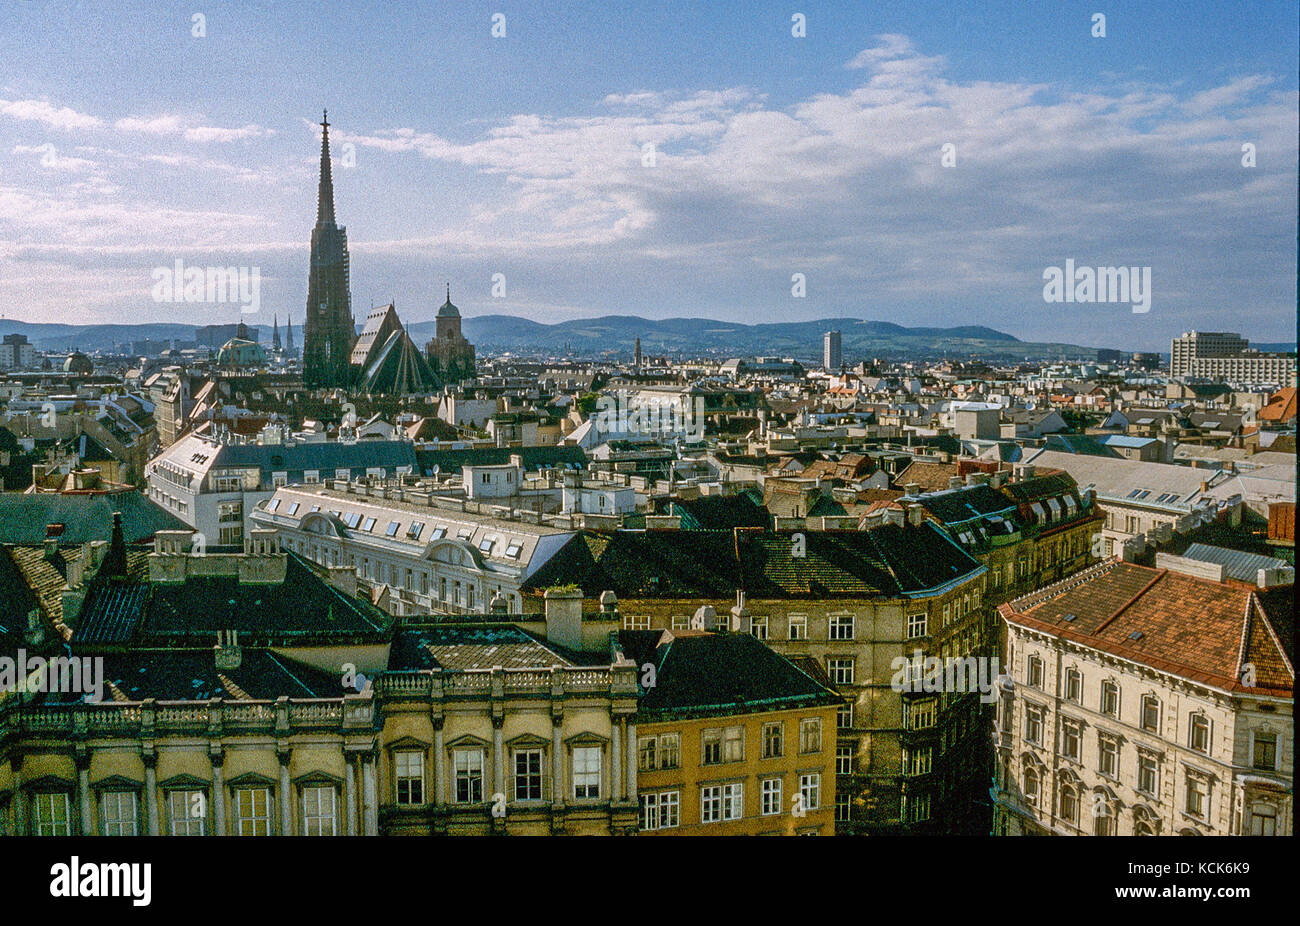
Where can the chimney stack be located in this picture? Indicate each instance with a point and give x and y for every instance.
(563, 609)
(227, 652)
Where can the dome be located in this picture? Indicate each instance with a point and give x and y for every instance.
(78, 362)
(448, 310)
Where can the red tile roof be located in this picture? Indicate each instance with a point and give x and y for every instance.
(1198, 629)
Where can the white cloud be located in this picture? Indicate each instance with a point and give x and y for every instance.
(57, 117)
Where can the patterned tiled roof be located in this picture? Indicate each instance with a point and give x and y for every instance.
(1194, 628)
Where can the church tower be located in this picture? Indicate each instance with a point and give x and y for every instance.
(329, 330)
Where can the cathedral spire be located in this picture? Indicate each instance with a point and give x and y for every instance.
(325, 193)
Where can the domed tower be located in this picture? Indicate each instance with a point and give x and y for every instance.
(450, 355)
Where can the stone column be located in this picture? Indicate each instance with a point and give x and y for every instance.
(557, 761)
(218, 796)
(439, 765)
(370, 796)
(631, 761)
(498, 757)
(616, 761)
(286, 811)
(349, 796)
(151, 794)
(83, 796)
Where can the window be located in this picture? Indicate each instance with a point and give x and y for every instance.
(391, 530)
(1263, 821)
(273, 504)
(710, 747)
(810, 735)
(844, 753)
(253, 812)
(1198, 736)
(1035, 672)
(841, 627)
(188, 812)
(916, 808)
(528, 774)
(840, 669)
(409, 776)
(1107, 756)
(758, 627)
(773, 740)
(120, 815)
(843, 808)
(1197, 794)
(770, 803)
(660, 811)
(733, 744)
(733, 800)
(916, 625)
(293, 508)
(1034, 725)
(1070, 737)
(368, 524)
(636, 622)
(1265, 751)
(318, 811)
(486, 544)
(711, 804)
(1069, 804)
(513, 549)
(586, 773)
(438, 532)
(919, 715)
(810, 789)
(1031, 786)
(1110, 699)
(669, 751)
(844, 717)
(467, 773)
(917, 761)
(1150, 714)
(1148, 775)
(1073, 685)
(798, 627)
(53, 815)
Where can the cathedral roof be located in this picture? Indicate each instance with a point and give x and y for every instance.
(399, 368)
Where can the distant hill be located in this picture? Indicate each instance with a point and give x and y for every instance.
(616, 334)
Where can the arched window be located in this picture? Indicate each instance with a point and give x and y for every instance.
(1069, 804)
(1031, 786)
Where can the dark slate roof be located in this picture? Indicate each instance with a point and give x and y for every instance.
(399, 369)
(703, 674)
(533, 457)
(889, 560)
(957, 505)
(721, 512)
(85, 517)
(1084, 444)
(302, 608)
(192, 675)
(459, 648)
(324, 456)
(1035, 488)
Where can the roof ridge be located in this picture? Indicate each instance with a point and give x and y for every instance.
(1160, 574)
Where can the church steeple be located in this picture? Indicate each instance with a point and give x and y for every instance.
(325, 193)
(275, 333)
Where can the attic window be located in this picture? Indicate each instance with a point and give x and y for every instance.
(1135, 635)
(391, 531)
(1069, 617)
(352, 519)
(293, 509)
(438, 533)
(413, 532)
(368, 525)
(465, 533)
(486, 544)
(514, 549)
(273, 504)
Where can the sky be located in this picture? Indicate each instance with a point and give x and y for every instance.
(687, 159)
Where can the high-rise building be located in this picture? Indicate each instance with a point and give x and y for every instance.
(831, 354)
(330, 330)
(1226, 355)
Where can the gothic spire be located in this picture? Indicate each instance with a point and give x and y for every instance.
(325, 193)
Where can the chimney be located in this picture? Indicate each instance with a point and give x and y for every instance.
(344, 578)
(227, 652)
(740, 614)
(498, 606)
(705, 618)
(563, 608)
(915, 515)
(954, 482)
(114, 565)
(609, 606)
(912, 490)
(52, 534)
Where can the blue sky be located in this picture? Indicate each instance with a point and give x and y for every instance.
(127, 143)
